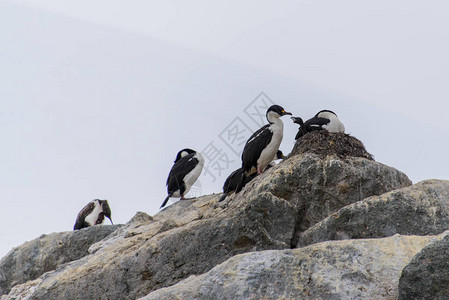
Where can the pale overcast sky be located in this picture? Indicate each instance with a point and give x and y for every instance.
(97, 97)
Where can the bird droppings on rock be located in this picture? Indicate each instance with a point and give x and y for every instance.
(324, 143)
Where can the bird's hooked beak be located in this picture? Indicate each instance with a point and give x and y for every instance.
(110, 219)
(286, 113)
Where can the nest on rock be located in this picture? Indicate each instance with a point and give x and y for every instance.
(326, 143)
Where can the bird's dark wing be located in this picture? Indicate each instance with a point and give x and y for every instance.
(306, 129)
(244, 180)
(312, 124)
(82, 215)
(232, 181)
(254, 146)
(179, 170)
(316, 122)
(301, 131)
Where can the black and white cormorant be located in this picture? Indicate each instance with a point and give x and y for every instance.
(186, 170)
(261, 147)
(235, 178)
(93, 214)
(323, 120)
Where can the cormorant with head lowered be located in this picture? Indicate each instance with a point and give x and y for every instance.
(234, 180)
(93, 214)
(186, 170)
(323, 120)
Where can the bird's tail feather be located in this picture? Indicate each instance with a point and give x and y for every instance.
(242, 182)
(223, 197)
(165, 201)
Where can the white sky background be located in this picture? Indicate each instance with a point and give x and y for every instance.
(98, 97)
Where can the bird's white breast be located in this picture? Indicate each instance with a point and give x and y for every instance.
(334, 125)
(270, 150)
(190, 178)
(93, 216)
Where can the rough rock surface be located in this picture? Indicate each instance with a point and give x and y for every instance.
(318, 187)
(361, 269)
(191, 237)
(421, 209)
(182, 240)
(427, 275)
(46, 253)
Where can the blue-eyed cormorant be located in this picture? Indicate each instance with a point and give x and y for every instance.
(323, 120)
(186, 170)
(261, 147)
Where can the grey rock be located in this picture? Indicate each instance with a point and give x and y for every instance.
(141, 218)
(191, 237)
(46, 253)
(427, 275)
(318, 187)
(421, 209)
(357, 269)
(144, 257)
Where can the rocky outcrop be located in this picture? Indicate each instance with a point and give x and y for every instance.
(182, 240)
(427, 275)
(422, 209)
(317, 187)
(362, 269)
(46, 253)
(191, 237)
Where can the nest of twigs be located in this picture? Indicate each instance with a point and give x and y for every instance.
(326, 143)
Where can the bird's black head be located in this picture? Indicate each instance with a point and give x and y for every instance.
(275, 111)
(297, 120)
(324, 112)
(106, 209)
(280, 155)
(183, 153)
